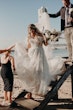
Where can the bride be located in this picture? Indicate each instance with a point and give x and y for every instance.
(35, 64)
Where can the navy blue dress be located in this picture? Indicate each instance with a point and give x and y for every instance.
(7, 76)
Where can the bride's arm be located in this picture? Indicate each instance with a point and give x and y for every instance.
(45, 40)
(28, 44)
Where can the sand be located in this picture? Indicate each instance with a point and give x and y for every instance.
(63, 93)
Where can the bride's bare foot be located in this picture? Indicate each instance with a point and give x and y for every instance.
(38, 97)
(28, 95)
(68, 60)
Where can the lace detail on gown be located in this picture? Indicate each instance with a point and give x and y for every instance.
(37, 67)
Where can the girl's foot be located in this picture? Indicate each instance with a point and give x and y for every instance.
(5, 103)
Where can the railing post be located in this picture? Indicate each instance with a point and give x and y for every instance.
(52, 93)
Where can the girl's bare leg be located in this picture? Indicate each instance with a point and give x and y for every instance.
(9, 94)
(5, 96)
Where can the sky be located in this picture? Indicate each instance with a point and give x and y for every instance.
(16, 15)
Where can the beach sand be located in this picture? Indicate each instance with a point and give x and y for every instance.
(64, 92)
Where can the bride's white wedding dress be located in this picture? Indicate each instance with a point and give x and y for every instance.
(37, 66)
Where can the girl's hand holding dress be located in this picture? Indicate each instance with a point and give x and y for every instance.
(10, 48)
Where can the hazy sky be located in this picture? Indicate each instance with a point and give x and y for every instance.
(16, 15)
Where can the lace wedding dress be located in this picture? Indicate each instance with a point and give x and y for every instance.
(36, 67)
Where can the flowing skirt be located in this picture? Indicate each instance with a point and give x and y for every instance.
(36, 67)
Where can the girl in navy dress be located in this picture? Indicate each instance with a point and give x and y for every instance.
(7, 66)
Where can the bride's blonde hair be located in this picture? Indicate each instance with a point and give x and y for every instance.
(35, 29)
